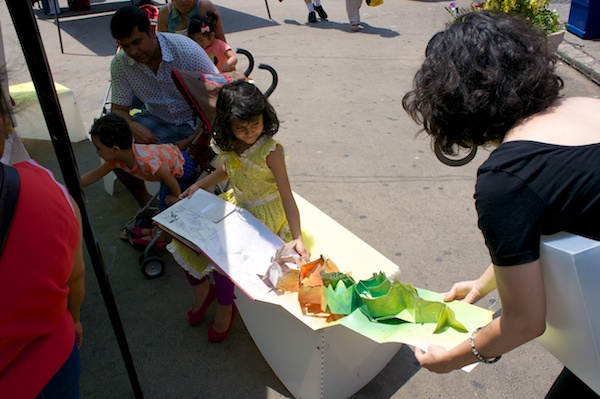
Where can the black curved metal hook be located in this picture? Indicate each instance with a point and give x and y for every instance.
(248, 70)
(274, 75)
(454, 162)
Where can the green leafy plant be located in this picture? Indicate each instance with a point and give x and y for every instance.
(536, 11)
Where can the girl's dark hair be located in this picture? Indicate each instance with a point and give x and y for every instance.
(481, 75)
(112, 130)
(243, 101)
(125, 19)
(197, 22)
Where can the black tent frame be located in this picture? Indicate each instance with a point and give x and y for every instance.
(25, 24)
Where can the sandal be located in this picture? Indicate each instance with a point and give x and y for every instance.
(123, 234)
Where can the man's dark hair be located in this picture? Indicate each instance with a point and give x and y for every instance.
(127, 18)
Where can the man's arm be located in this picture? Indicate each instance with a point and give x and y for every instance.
(141, 133)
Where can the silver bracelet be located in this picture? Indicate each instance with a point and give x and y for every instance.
(476, 354)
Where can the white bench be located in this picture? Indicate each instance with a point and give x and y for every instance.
(30, 120)
(312, 357)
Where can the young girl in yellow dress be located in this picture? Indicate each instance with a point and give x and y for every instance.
(254, 163)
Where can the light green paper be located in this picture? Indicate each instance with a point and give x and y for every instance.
(382, 299)
(336, 296)
(417, 334)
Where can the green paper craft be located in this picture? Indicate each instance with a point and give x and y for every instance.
(337, 293)
(383, 299)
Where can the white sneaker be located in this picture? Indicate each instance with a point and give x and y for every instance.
(357, 27)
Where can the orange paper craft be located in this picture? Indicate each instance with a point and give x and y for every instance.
(310, 282)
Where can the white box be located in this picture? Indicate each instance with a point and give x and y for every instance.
(312, 356)
(30, 120)
(571, 269)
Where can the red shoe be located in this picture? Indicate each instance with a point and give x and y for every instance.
(141, 243)
(141, 232)
(216, 337)
(195, 318)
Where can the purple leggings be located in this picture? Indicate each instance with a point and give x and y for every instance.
(223, 284)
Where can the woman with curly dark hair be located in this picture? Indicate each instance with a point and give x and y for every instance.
(488, 80)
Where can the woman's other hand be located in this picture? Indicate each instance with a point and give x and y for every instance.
(466, 291)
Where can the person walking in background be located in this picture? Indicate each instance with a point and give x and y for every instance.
(489, 79)
(314, 8)
(175, 17)
(255, 165)
(41, 285)
(202, 31)
(353, 10)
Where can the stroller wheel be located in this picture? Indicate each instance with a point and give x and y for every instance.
(152, 264)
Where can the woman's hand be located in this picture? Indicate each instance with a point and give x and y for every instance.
(474, 290)
(466, 291)
(142, 134)
(434, 359)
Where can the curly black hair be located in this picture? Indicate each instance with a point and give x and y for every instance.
(243, 101)
(125, 19)
(112, 130)
(481, 75)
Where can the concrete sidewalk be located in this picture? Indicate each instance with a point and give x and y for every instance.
(583, 55)
(352, 151)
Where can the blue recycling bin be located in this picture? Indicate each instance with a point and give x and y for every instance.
(584, 18)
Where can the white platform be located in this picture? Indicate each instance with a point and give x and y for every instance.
(312, 356)
(571, 268)
(30, 120)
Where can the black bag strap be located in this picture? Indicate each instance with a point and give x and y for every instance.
(9, 194)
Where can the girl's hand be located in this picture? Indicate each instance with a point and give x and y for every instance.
(190, 190)
(302, 250)
(466, 291)
(433, 359)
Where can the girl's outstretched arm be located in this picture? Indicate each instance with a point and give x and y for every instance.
(94, 175)
(165, 176)
(276, 161)
(217, 176)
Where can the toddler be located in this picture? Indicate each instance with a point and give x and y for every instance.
(202, 30)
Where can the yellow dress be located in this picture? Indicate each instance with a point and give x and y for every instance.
(253, 188)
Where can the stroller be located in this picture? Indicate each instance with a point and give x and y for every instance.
(200, 91)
